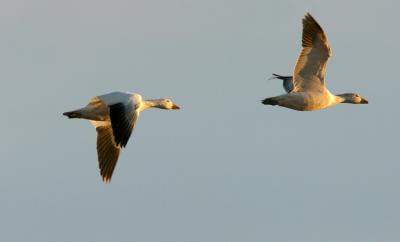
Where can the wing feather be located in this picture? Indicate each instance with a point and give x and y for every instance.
(123, 119)
(107, 151)
(310, 68)
(114, 131)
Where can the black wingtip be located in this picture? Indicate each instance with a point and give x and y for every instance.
(120, 123)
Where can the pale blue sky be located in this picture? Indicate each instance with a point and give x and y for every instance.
(225, 167)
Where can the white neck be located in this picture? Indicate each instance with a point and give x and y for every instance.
(339, 99)
(334, 100)
(151, 103)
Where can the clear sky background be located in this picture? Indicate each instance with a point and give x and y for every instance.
(224, 167)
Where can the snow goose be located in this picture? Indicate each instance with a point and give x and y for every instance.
(309, 92)
(114, 116)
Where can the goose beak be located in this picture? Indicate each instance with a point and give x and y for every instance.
(175, 106)
(364, 101)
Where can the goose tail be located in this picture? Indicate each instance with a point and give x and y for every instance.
(73, 114)
(270, 101)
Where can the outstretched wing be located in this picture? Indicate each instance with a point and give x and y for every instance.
(123, 118)
(107, 150)
(310, 69)
(287, 81)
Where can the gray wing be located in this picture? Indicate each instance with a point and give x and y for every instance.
(287, 81)
(310, 69)
(107, 150)
(123, 119)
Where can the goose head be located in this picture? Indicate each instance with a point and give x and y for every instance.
(166, 103)
(353, 98)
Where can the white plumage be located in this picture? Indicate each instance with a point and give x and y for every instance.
(114, 116)
(309, 91)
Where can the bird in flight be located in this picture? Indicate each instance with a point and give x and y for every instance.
(309, 92)
(114, 116)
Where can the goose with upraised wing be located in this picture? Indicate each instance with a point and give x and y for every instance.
(309, 92)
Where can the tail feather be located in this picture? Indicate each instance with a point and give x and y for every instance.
(270, 101)
(73, 114)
